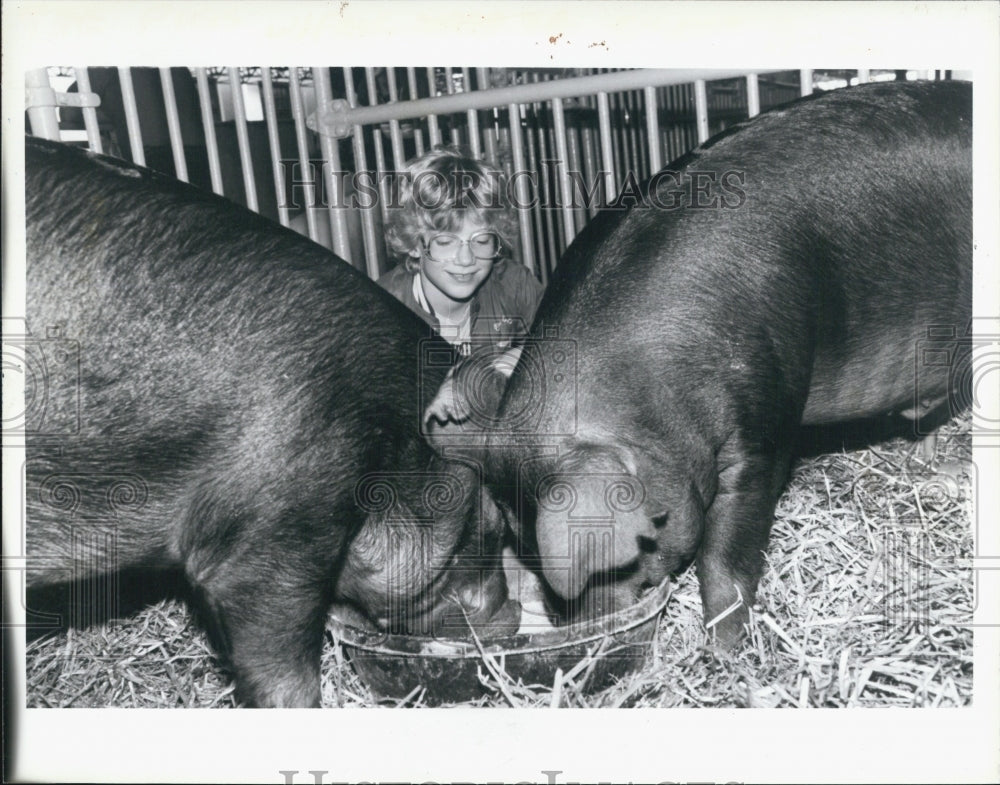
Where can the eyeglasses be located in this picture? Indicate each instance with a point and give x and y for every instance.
(445, 247)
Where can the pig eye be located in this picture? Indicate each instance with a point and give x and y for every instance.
(646, 544)
(659, 521)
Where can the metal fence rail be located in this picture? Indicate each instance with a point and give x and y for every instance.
(295, 143)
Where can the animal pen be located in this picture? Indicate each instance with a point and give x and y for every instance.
(570, 141)
(857, 612)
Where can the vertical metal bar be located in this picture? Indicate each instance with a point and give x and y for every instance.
(806, 81)
(607, 153)
(395, 132)
(433, 129)
(681, 111)
(691, 129)
(503, 142)
(590, 173)
(418, 132)
(663, 102)
(243, 138)
(89, 112)
(331, 161)
(636, 138)
(374, 245)
(676, 143)
(540, 193)
(173, 124)
(490, 144)
(522, 194)
(701, 109)
(376, 132)
(208, 124)
(472, 118)
(621, 133)
(653, 130)
(753, 96)
(274, 140)
(456, 139)
(302, 142)
(621, 165)
(492, 129)
(644, 141)
(565, 187)
(548, 215)
(131, 116)
(574, 164)
(624, 129)
(43, 118)
(550, 178)
(637, 158)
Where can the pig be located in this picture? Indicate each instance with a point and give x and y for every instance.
(240, 405)
(786, 273)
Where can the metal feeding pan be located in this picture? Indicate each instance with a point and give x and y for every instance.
(442, 670)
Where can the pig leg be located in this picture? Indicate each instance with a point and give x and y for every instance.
(269, 603)
(731, 559)
(272, 638)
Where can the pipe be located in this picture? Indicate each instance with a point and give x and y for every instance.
(607, 152)
(701, 109)
(433, 129)
(373, 243)
(89, 112)
(753, 96)
(330, 149)
(208, 125)
(337, 120)
(131, 116)
(174, 124)
(40, 100)
(418, 133)
(306, 170)
(243, 138)
(805, 81)
(653, 130)
(274, 145)
(521, 187)
(562, 173)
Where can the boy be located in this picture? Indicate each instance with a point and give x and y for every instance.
(454, 230)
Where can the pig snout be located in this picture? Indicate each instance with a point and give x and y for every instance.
(591, 518)
(488, 605)
(476, 601)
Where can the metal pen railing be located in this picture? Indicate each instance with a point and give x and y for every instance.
(567, 143)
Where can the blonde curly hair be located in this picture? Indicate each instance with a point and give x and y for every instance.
(437, 191)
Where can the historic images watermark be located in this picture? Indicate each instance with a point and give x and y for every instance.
(318, 185)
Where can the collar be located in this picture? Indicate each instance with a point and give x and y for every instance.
(455, 333)
(418, 295)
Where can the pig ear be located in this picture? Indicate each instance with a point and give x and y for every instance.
(591, 517)
(466, 404)
(510, 519)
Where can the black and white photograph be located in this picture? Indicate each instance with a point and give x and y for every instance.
(518, 357)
